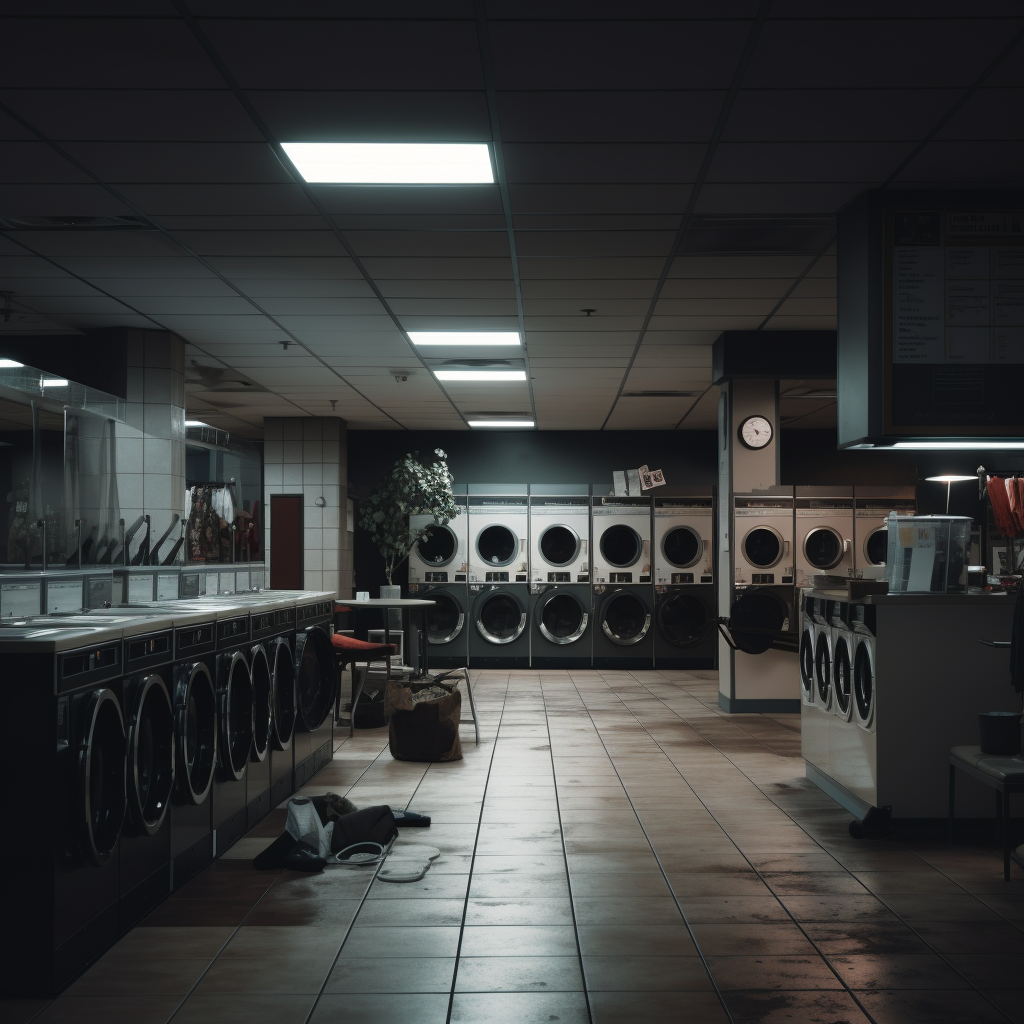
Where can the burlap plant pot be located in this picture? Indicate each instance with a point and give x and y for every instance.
(426, 730)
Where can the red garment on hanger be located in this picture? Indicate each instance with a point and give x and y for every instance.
(1001, 512)
(1013, 496)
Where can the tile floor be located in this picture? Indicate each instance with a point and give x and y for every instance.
(617, 849)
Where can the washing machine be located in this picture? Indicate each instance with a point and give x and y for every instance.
(686, 608)
(559, 538)
(447, 623)
(498, 537)
(862, 621)
(871, 530)
(824, 533)
(561, 625)
(316, 683)
(808, 638)
(499, 636)
(621, 529)
(441, 555)
(844, 646)
(67, 798)
(623, 626)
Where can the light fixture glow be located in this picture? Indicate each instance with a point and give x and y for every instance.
(392, 163)
(951, 446)
(480, 375)
(500, 423)
(10, 364)
(507, 338)
(53, 382)
(196, 423)
(950, 479)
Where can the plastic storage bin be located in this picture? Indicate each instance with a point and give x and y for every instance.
(928, 554)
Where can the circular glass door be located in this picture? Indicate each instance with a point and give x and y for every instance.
(876, 546)
(863, 682)
(501, 618)
(562, 619)
(559, 545)
(437, 546)
(497, 545)
(196, 732)
(151, 752)
(683, 620)
(807, 662)
(763, 547)
(625, 619)
(755, 616)
(823, 669)
(682, 547)
(316, 680)
(444, 621)
(101, 775)
(823, 547)
(284, 695)
(621, 546)
(235, 715)
(262, 703)
(842, 677)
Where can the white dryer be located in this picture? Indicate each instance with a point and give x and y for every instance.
(559, 538)
(441, 555)
(684, 544)
(622, 540)
(824, 532)
(499, 530)
(871, 529)
(762, 537)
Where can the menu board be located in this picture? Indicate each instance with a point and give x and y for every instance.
(954, 337)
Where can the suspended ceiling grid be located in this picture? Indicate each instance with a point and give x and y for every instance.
(675, 172)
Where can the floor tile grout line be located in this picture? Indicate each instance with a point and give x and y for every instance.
(661, 868)
(472, 860)
(565, 856)
(789, 913)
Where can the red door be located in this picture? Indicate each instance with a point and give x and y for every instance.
(286, 541)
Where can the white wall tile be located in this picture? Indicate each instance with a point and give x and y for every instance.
(157, 420)
(312, 429)
(157, 491)
(273, 474)
(313, 475)
(129, 454)
(312, 560)
(331, 428)
(273, 452)
(157, 385)
(332, 517)
(330, 559)
(332, 474)
(313, 580)
(272, 429)
(129, 490)
(312, 451)
(156, 455)
(291, 428)
(313, 517)
(313, 538)
(292, 475)
(291, 452)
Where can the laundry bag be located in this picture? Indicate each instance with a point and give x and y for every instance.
(424, 720)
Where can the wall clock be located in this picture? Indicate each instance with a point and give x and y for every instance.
(755, 432)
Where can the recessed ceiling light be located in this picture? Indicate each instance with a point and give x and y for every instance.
(465, 338)
(479, 375)
(53, 382)
(10, 364)
(957, 445)
(392, 163)
(196, 423)
(500, 423)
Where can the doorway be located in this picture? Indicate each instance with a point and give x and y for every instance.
(286, 542)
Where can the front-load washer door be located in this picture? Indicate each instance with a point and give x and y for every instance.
(625, 619)
(764, 547)
(876, 546)
(500, 617)
(195, 732)
(235, 714)
(842, 678)
(621, 546)
(316, 677)
(824, 547)
(438, 546)
(683, 620)
(755, 618)
(682, 547)
(262, 702)
(559, 545)
(823, 670)
(497, 545)
(445, 620)
(561, 617)
(150, 755)
(807, 663)
(864, 683)
(284, 694)
(101, 775)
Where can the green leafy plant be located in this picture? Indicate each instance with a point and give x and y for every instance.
(410, 488)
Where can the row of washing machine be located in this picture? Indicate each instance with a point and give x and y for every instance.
(144, 742)
(566, 581)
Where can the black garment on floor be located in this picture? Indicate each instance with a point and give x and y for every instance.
(370, 825)
(273, 856)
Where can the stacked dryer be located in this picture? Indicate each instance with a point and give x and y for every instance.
(871, 531)
(561, 611)
(824, 533)
(499, 587)
(623, 591)
(438, 571)
(686, 614)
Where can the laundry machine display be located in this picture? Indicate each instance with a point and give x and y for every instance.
(559, 538)
(446, 622)
(622, 540)
(871, 527)
(499, 637)
(624, 626)
(441, 554)
(561, 618)
(824, 533)
(498, 538)
(316, 685)
(763, 538)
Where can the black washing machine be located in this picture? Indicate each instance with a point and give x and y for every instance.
(561, 624)
(685, 626)
(235, 733)
(764, 617)
(499, 636)
(66, 783)
(316, 683)
(280, 654)
(623, 626)
(447, 623)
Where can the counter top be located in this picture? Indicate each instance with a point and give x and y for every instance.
(903, 600)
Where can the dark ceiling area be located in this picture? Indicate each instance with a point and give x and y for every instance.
(664, 172)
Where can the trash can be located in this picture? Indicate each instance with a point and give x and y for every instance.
(423, 721)
(1000, 732)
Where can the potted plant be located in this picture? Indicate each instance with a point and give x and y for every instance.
(410, 488)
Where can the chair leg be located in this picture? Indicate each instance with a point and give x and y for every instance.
(1006, 834)
(472, 708)
(952, 802)
(357, 692)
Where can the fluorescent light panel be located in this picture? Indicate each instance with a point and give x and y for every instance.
(196, 423)
(10, 364)
(392, 163)
(508, 338)
(480, 375)
(53, 382)
(500, 423)
(958, 445)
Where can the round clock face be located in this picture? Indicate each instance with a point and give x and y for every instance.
(755, 432)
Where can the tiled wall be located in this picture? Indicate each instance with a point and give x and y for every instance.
(309, 456)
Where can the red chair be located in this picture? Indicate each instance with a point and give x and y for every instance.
(347, 651)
